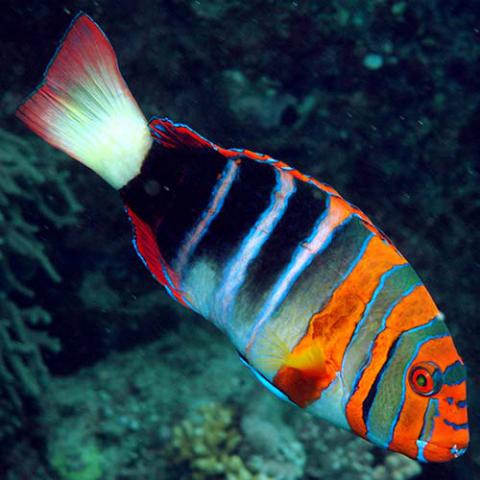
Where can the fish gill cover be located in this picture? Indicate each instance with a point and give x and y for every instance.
(379, 98)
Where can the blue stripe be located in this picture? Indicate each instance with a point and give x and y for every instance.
(424, 436)
(404, 377)
(355, 261)
(236, 270)
(456, 426)
(382, 327)
(299, 262)
(454, 371)
(457, 452)
(421, 448)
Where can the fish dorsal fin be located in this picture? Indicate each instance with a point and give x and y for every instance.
(177, 135)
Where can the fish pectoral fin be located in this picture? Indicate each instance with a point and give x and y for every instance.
(272, 353)
(310, 358)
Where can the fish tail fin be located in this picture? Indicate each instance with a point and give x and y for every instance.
(84, 107)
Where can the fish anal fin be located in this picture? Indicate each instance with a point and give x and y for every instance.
(272, 352)
(147, 249)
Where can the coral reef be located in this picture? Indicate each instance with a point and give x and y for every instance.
(23, 374)
(206, 446)
(185, 407)
(378, 98)
(334, 454)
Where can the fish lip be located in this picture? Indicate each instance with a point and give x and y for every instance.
(454, 451)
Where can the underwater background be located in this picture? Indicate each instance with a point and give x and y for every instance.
(102, 376)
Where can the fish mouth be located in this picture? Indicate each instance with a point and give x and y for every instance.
(439, 453)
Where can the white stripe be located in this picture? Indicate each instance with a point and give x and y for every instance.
(318, 240)
(236, 270)
(219, 194)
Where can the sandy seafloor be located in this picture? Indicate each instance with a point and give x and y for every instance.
(101, 376)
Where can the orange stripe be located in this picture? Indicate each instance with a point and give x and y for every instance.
(416, 309)
(333, 326)
(410, 421)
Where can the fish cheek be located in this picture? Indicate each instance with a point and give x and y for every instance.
(410, 425)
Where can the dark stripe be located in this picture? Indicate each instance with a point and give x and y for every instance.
(172, 190)
(248, 198)
(237, 267)
(391, 388)
(304, 210)
(456, 426)
(322, 234)
(455, 374)
(217, 199)
(327, 271)
(367, 404)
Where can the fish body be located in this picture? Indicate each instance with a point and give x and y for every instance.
(317, 301)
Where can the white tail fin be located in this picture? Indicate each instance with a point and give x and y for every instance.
(85, 108)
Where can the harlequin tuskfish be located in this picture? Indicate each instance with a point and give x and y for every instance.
(319, 304)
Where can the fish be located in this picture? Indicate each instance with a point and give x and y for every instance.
(317, 301)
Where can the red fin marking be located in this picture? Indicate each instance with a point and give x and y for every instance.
(147, 249)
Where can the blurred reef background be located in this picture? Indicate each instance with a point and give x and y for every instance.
(102, 377)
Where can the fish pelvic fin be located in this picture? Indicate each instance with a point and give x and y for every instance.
(84, 107)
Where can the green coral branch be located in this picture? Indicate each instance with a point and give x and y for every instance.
(206, 445)
(25, 176)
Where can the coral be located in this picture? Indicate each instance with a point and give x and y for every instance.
(24, 179)
(270, 444)
(335, 454)
(23, 374)
(77, 458)
(207, 446)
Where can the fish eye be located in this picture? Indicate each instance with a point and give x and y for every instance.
(425, 379)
